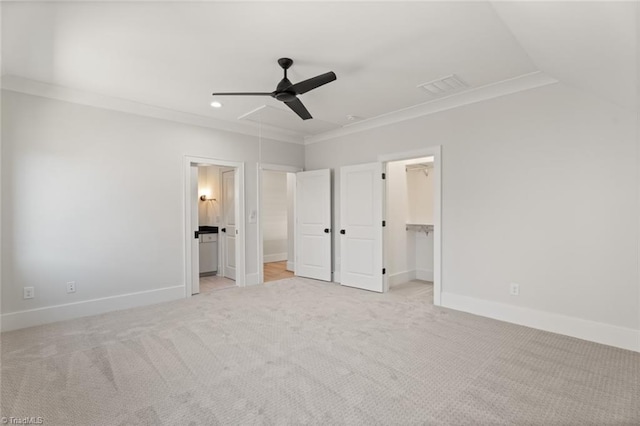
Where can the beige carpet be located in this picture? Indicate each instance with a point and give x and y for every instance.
(306, 352)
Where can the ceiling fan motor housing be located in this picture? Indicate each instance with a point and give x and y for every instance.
(282, 93)
(285, 63)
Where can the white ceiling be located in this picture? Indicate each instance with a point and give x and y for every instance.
(592, 46)
(173, 55)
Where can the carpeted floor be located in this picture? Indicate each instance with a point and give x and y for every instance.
(305, 352)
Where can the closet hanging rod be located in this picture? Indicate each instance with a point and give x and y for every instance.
(419, 166)
(419, 227)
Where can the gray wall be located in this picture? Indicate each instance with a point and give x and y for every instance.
(97, 197)
(539, 188)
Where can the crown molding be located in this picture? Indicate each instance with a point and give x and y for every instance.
(490, 91)
(83, 97)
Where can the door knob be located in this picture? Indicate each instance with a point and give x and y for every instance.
(223, 230)
(327, 230)
(342, 231)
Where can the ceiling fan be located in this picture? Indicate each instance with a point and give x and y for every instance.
(288, 92)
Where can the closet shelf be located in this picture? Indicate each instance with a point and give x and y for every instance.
(420, 227)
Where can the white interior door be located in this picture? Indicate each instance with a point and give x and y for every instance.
(229, 224)
(361, 211)
(195, 242)
(313, 224)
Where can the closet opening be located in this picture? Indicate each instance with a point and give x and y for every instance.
(410, 207)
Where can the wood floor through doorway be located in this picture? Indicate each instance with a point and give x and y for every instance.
(274, 271)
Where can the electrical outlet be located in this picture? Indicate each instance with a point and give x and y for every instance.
(29, 293)
(71, 287)
(514, 289)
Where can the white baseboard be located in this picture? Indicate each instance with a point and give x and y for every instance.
(276, 257)
(291, 266)
(49, 314)
(405, 276)
(336, 277)
(424, 274)
(252, 279)
(401, 277)
(607, 334)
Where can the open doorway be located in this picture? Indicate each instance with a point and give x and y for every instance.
(214, 211)
(277, 222)
(409, 223)
(412, 232)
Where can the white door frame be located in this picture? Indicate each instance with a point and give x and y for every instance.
(436, 152)
(189, 227)
(275, 168)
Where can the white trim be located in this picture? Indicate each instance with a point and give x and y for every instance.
(278, 168)
(67, 311)
(424, 274)
(37, 88)
(479, 94)
(607, 334)
(401, 278)
(276, 257)
(291, 266)
(336, 277)
(253, 279)
(506, 87)
(189, 228)
(436, 152)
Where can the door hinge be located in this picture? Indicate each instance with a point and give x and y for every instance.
(384, 271)
(384, 176)
(384, 223)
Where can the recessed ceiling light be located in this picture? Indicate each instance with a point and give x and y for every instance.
(216, 104)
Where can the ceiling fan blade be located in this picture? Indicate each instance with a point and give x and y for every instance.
(313, 82)
(299, 109)
(244, 94)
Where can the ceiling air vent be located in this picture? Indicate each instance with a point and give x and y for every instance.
(443, 86)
